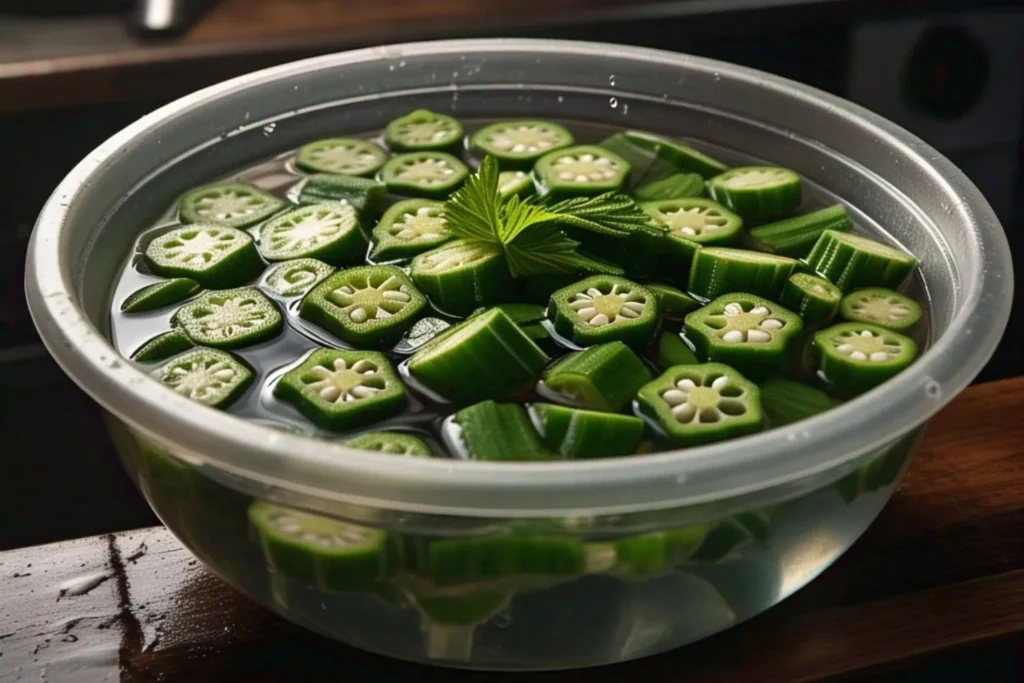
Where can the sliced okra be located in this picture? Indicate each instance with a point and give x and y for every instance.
(366, 195)
(517, 144)
(673, 303)
(605, 377)
(462, 275)
(786, 401)
(654, 157)
(162, 347)
(347, 156)
(656, 552)
(230, 205)
(518, 183)
(408, 228)
(211, 255)
(882, 307)
(368, 306)
(208, 376)
(582, 170)
(341, 390)
(447, 617)
(486, 356)
(229, 318)
(522, 314)
(851, 262)
(423, 130)
(698, 404)
(855, 357)
(722, 270)
(160, 294)
(751, 334)
(575, 433)
(723, 540)
(796, 236)
(695, 220)
(672, 350)
(758, 193)
(328, 232)
(486, 559)
(433, 175)
(813, 298)
(495, 431)
(296, 277)
(675, 186)
(604, 308)
(393, 443)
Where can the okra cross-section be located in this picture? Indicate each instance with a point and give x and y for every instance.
(517, 183)
(605, 377)
(328, 232)
(433, 175)
(211, 255)
(160, 294)
(369, 306)
(722, 270)
(341, 390)
(758, 193)
(697, 404)
(813, 298)
(296, 277)
(882, 307)
(574, 433)
(751, 334)
(347, 156)
(695, 220)
(581, 170)
(230, 318)
(851, 261)
(517, 144)
(208, 376)
(461, 275)
(392, 443)
(495, 431)
(603, 308)
(231, 205)
(408, 228)
(364, 194)
(422, 130)
(856, 357)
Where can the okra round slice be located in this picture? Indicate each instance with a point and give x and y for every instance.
(229, 318)
(366, 195)
(796, 236)
(751, 334)
(433, 175)
(517, 144)
(494, 431)
(698, 404)
(673, 303)
(582, 170)
(656, 552)
(604, 377)
(296, 277)
(328, 232)
(856, 357)
(813, 298)
(408, 228)
(851, 262)
(160, 294)
(676, 186)
(393, 443)
(604, 308)
(517, 183)
(162, 347)
(758, 193)
(695, 220)
(672, 350)
(722, 270)
(208, 376)
(486, 356)
(423, 130)
(368, 307)
(882, 307)
(786, 401)
(579, 434)
(231, 205)
(341, 390)
(348, 156)
(208, 254)
(461, 275)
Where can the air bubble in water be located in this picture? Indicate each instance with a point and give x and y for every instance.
(269, 128)
(932, 389)
(625, 109)
(613, 102)
(561, 99)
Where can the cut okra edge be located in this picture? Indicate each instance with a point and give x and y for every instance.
(853, 261)
(582, 170)
(328, 232)
(813, 298)
(605, 377)
(432, 175)
(423, 130)
(697, 220)
(758, 193)
(408, 228)
(296, 277)
(882, 307)
(604, 308)
(392, 443)
(211, 255)
(517, 144)
(229, 319)
(574, 433)
(462, 275)
(231, 205)
(160, 294)
(347, 156)
(855, 357)
(208, 376)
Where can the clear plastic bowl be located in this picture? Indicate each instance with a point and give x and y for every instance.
(776, 508)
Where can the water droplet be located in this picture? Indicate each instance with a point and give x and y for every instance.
(401, 63)
(269, 128)
(611, 79)
(932, 389)
(680, 478)
(613, 102)
(561, 99)
(791, 437)
(625, 108)
(391, 67)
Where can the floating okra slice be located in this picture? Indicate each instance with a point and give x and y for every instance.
(796, 236)
(369, 306)
(851, 262)
(855, 357)
(672, 350)
(751, 334)
(654, 158)
(517, 144)
(604, 308)
(575, 433)
(160, 294)
(211, 255)
(495, 431)
(758, 193)
(582, 170)
(162, 347)
(231, 205)
(229, 318)
(486, 356)
(882, 307)
(673, 303)
(722, 270)
(656, 552)
(343, 389)
(813, 298)
(423, 130)
(328, 232)
(393, 443)
(408, 228)
(433, 175)
(208, 376)
(462, 275)
(604, 377)
(786, 401)
(296, 277)
(695, 220)
(517, 183)
(364, 194)
(676, 186)
(347, 156)
(698, 404)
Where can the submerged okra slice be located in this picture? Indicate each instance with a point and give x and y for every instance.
(575, 433)
(722, 270)
(461, 275)
(672, 350)
(328, 232)
(495, 431)
(676, 186)
(581, 170)
(296, 277)
(486, 356)
(855, 357)
(851, 261)
(604, 308)
(813, 298)
(786, 401)
(423, 130)
(408, 228)
(796, 236)
(347, 156)
(882, 307)
(518, 183)
(162, 347)
(368, 306)
(211, 255)
(672, 302)
(159, 294)
(698, 404)
(687, 222)
(341, 390)
(208, 376)
(393, 443)
(364, 194)
(605, 377)
(231, 205)
(517, 144)
(751, 334)
(229, 318)
(654, 157)
(656, 552)
(433, 175)
(758, 193)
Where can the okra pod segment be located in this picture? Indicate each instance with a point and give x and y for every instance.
(494, 431)
(162, 347)
(346, 156)
(517, 183)
(604, 308)
(852, 262)
(461, 275)
(408, 228)
(159, 294)
(672, 350)
(676, 186)
(673, 303)
(328, 232)
(656, 552)
(392, 443)
(722, 270)
(654, 157)
(432, 175)
(229, 318)
(211, 255)
(605, 377)
(367, 196)
(518, 144)
(758, 193)
(856, 357)
(813, 298)
(581, 170)
(423, 130)
(296, 277)
(208, 376)
(882, 307)
(229, 205)
(574, 433)
(785, 401)
(795, 237)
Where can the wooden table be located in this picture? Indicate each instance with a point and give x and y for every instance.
(941, 571)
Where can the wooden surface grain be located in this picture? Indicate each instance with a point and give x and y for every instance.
(941, 571)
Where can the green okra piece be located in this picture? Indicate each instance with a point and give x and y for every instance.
(654, 158)
(723, 540)
(695, 220)
(852, 262)
(758, 193)
(365, 195)
(722, 270)
(673, 303)
(393, 443)
(581, 170)
(211, 255)
(517, 183)
(672, 350)
(486, 559)
(675, 186)
(575, 433)
(422, 331)
(328, 232)
(796, 236)
(605, 377)
(495, 431)
(345, 156)
(408, 228)
(518, 144)
(229, 318)
(786, 401)
(160, 294)
(162, 347)
(423, 130)
(229, 205)
(433, 175)
(462, 275)
(604, 308)
(657, 552)
(813, 298)
(208, 376)
(856, 357)
(296, 277)
(882, 307)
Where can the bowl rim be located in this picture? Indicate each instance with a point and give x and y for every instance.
(328, 471)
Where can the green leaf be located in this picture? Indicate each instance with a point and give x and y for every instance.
(473, 210)
(611, 213)
(518, 215)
